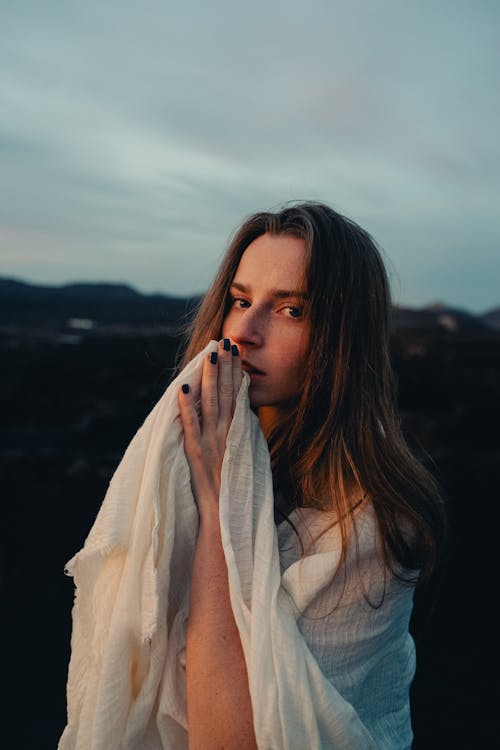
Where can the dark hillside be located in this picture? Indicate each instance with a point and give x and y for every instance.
(52, 308)
(72, 403)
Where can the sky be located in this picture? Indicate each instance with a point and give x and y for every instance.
(136, 137)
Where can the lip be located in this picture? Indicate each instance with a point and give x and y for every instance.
(251, 369)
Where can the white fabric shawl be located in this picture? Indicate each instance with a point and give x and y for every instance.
(339, 682)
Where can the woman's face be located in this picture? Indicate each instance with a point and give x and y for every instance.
(266, 320)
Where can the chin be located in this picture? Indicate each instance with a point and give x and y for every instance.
(255, 403)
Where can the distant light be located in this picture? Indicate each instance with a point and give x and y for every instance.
(416, 350)
(68, 338)
(448, 322)
(82, 324)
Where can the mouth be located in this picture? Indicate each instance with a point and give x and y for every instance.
(250, 369)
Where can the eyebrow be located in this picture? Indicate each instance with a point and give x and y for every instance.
(276, 293)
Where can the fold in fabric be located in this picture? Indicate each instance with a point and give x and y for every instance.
(126, 685)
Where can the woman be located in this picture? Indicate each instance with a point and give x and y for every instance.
(302, 304)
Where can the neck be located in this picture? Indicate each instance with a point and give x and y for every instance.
(268, 418)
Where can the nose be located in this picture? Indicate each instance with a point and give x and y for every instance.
(245, 328)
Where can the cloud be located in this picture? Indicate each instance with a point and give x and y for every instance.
(135, 133)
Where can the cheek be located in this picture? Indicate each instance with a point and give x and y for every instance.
(294, 348)
(291, 358)
(302, 358)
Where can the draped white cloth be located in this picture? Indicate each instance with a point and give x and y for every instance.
(320, 675)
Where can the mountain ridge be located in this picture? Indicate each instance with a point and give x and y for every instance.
(117, 302)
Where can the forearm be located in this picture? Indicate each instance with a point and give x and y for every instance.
(218, 697)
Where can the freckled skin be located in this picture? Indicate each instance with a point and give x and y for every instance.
(270, 332)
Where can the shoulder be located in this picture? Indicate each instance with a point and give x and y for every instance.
(310, 531)
(314, 565)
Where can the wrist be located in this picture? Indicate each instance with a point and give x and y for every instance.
(209, 539)
(209, 516)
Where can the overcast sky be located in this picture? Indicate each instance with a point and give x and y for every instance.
(136, 136)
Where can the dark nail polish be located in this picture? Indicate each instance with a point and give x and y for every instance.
(185, 388)
(227, 345)
(213, 358)
(234, 350)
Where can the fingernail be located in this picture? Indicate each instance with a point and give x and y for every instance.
(213, 358)
(227, 345)
(185, 388)
(234, 350)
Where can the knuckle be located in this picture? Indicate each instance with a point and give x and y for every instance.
(192, 419)
(193, 451)
(212, 400)
(226, 389)
(197, 452)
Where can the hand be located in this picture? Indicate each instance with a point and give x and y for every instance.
(205, 437)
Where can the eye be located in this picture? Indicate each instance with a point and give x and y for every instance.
(295, 312)
(237, 301)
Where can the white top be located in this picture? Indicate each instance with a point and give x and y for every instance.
(338, 681)
(354, 622)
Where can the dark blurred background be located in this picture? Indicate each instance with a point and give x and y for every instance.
(83, 365)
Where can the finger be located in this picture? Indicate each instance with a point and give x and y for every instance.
(237, 374)
(209, 398)
(225, 384)
(189, 419)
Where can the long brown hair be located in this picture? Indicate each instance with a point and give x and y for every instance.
(345, 431)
